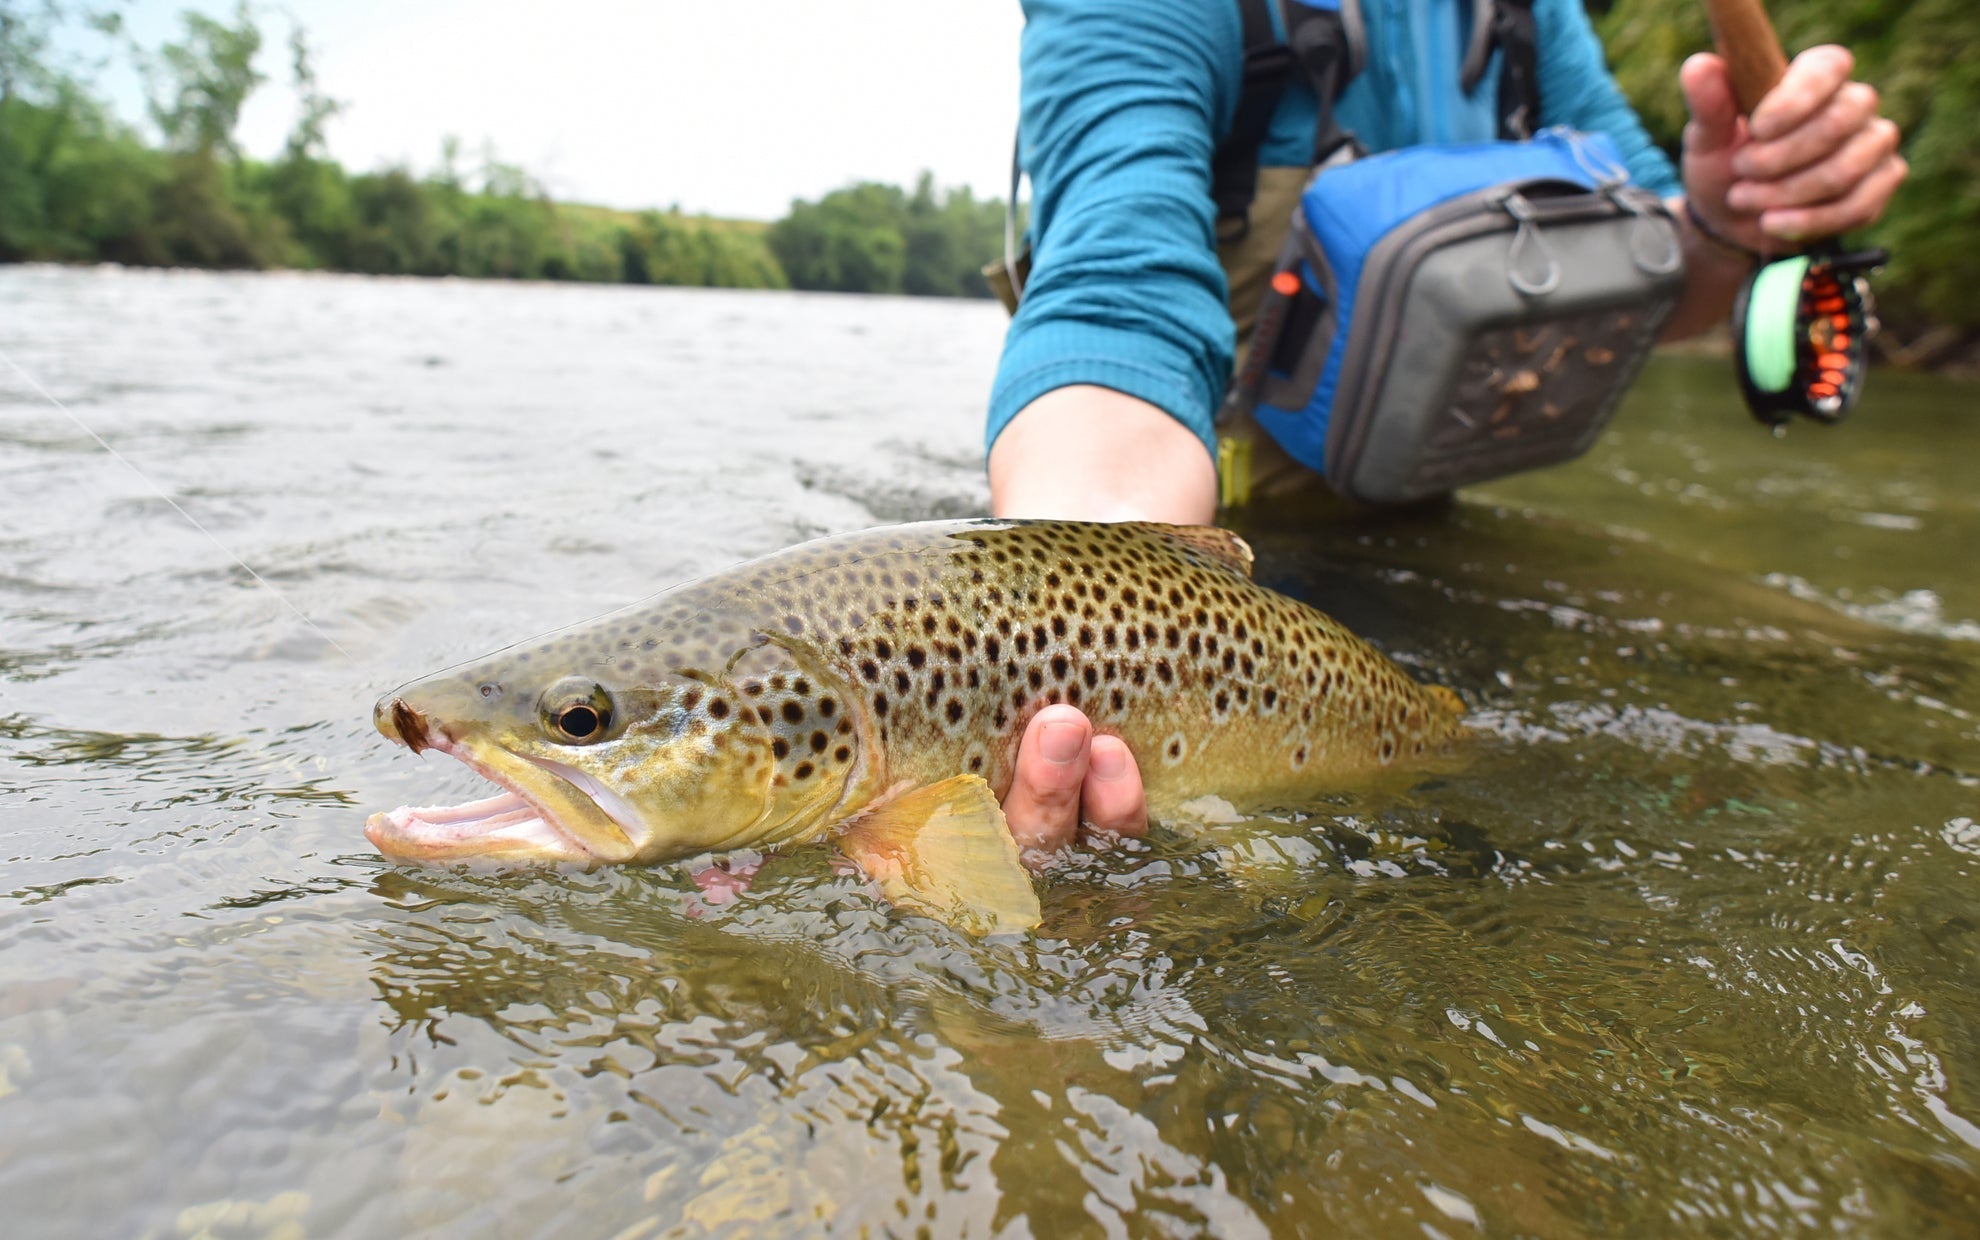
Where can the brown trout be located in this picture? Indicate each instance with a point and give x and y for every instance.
(873, 687)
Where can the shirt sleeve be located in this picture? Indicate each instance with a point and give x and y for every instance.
(1576, 90)
(1121, 105)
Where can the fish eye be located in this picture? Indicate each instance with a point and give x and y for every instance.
(577, 710)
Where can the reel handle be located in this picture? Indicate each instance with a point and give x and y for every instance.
(1752, 51)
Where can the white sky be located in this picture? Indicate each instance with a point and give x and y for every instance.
(726, 107)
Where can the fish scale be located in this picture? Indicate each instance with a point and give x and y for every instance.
(772, 702)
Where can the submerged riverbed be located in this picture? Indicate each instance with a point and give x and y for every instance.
(1687, 944)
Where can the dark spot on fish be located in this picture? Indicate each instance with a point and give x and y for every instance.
(764, 713)
(803, 770)
(902, 683)
(880, 704)
(954, 710)
(1058, 626)
(1175, 749)
(916, 656)
(780, 747)
(818, 742)
(1162, 670)
(793, 625)
(1117, 700)
(718, 709)
(842, 754)
(1036, 677)
(883, 648)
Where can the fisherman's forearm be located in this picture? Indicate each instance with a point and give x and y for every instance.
(1713, 272)
(1090, 453)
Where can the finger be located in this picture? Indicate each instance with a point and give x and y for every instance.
(1859, 207)
(1810, 82)
(1708, 96)
(1042, 806)
(1111, 799)
(1852, 110)
(1827, 181)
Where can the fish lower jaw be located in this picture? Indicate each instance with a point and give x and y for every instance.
(511, 826)
(497, 828)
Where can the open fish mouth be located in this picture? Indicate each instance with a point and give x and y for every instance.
(521, 823)
(504, 825)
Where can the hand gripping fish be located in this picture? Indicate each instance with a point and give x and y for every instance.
(871, 688)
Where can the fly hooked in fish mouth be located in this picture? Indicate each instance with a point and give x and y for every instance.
(406, 725)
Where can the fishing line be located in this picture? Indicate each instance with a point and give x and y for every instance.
(178, 508)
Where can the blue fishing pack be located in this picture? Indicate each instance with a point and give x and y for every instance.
(1443, 315)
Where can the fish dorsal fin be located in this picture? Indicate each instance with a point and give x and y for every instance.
(1226, 548)
(945, 850)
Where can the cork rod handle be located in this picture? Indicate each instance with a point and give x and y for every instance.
(1752, 51)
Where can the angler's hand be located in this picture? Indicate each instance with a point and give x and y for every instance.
(1813, 161)
(1068, 778)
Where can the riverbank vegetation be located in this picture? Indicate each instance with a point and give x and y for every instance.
(78, 184)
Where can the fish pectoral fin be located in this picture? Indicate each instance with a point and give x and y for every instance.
(944, 849)
(1227, 549)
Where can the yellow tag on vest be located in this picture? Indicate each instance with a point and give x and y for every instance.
(1233, 471)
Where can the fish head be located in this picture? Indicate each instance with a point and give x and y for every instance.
(598, 768)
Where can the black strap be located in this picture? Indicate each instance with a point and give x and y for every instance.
(1323, 46)
(1519, 68)
(1507, 26)
(1267, 65)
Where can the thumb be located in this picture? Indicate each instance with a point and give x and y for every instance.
(1708, 95)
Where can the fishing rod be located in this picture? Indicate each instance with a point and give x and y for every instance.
(1801, 324)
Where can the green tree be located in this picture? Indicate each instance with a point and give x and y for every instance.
(199, 85)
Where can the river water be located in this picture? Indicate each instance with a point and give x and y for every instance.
(1686, 944)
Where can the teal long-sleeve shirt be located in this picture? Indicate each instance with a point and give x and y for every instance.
(1124, 104)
